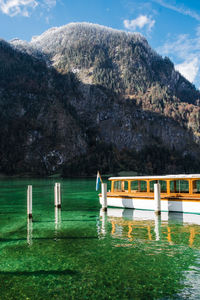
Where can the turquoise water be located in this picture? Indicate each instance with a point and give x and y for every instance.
(79, 252)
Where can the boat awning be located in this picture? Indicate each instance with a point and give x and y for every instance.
(158, 177)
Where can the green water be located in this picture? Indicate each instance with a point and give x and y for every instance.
(81, 253)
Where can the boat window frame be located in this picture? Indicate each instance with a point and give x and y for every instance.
(179, 192)
(124, 189)
(155, 181)
(192, 187)
(163, 192)
(139, 181)
(158, 181)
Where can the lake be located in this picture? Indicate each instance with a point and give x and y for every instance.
(80, 252)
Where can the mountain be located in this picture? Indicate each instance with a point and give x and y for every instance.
(121, 61)
(83, 97)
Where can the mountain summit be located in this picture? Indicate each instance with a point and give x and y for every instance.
(84, 96)
(124, 58)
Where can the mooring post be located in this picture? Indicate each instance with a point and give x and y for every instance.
(29, 201)
(57, 195)
(157, 198)
(104, 196)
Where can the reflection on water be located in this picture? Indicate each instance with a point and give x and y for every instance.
(81, 252)
(157, 226)
(146, 225)
(29, 230)
(174, 228)
(103, 216)
(57, 218)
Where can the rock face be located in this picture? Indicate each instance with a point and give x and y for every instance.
(84, 97)
(38, 131)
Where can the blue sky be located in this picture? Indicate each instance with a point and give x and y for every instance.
(172, 27)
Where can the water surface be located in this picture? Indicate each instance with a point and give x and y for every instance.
(79, 252)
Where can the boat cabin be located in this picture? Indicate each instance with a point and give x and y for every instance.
(171, 185)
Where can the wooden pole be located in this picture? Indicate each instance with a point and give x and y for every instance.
(157, 198)
(104, 196)
(29, 201)
(57, 195)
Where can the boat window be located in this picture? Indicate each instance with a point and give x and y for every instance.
(163, 186)
(152, 185)
(121, 186)
(196, 186)
(179, 186)
(138, 186)
(117, 186)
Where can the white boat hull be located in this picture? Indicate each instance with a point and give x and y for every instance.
(185, 206)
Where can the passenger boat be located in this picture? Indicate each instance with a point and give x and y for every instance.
(178, 193)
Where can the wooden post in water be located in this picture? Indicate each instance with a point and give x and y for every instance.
(29, 201)
(157, 198)
(57, 195)
(104, 196)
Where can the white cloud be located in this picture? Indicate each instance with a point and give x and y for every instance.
(139, 22)
(180, 9)
(17, 7)
(189, 69)
(50, 3)
(24, 7)
(186, 51)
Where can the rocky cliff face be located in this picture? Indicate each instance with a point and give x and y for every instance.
(38, 131)
(82, 97)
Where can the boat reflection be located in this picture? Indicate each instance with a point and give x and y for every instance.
(173, 228)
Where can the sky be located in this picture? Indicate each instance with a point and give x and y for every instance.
(172, 27)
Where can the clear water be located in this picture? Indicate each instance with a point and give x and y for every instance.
(79, 252)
